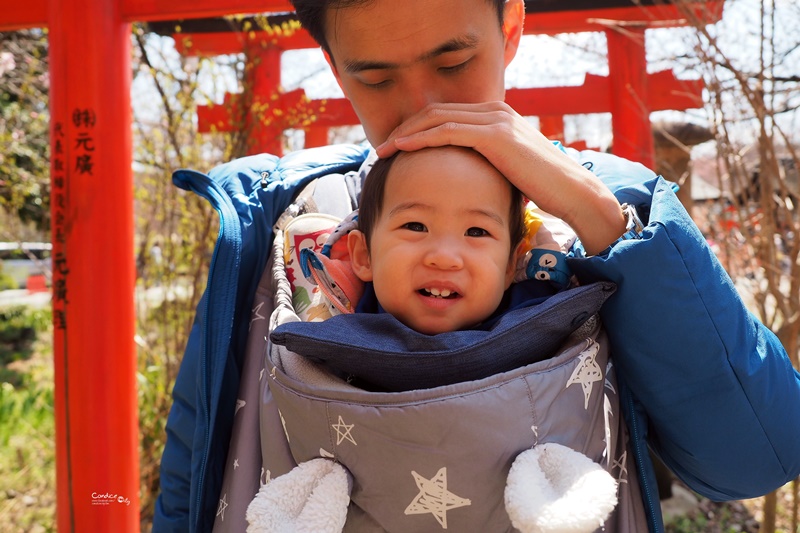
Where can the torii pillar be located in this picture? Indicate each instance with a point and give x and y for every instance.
(97, 437)
(630, 113)
(264, 77)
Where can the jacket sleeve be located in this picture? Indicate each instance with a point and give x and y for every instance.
(172, 505)
(721, 397)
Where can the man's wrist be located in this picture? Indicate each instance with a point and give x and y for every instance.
(632, 231)
(633, 227)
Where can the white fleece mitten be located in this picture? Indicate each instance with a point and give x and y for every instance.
(312, 498)
(554, 489)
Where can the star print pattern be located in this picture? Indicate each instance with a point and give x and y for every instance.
(434, 497)
(325, 453)
(256, 315)
(223, 504)
(587, 372)
(608, 413)
(283, 423)
(343, 432)
(609, 385)
(622, 464)
(239, 405)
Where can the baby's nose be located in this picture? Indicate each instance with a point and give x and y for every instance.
(444, 256)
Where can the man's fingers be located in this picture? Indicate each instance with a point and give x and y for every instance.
(449, 133)
(443, 124)
(439, 114)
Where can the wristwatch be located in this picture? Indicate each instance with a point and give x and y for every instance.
(633, 225)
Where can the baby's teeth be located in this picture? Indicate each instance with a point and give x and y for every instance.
(435, 292)
(445, 293)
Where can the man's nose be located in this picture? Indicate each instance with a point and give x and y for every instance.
(419, 94)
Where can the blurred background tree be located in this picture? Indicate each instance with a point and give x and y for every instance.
(750, 63)
(24, 131)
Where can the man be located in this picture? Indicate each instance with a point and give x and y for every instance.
(704, 384)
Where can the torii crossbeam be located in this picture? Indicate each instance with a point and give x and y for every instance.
(93, 233)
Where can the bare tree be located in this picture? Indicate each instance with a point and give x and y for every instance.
(753, 102)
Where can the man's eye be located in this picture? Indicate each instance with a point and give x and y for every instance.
(455, 68)
(377, 85)
(414, 226)
(476, 232)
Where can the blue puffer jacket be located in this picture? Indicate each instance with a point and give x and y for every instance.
(705, 384)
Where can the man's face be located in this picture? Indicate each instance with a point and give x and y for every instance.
(440, 253)
(393, 58)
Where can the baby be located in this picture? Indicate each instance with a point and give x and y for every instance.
(439, 238)
(439, 235)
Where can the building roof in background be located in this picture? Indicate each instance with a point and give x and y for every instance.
(708, 178)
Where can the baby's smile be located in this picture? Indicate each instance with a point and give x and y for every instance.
(438, 293)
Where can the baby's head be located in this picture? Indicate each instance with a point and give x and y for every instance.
(440, 231)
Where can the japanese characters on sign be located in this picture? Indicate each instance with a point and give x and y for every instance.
(58, 208)
(84, 120)
(80, 161)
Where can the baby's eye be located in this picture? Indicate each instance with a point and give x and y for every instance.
(414, 226)
(476, 232)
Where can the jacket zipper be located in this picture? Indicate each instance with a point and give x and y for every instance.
(639, 457)
(203, 186)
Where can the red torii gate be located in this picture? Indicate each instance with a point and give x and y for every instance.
(93, 230)
(628, 93)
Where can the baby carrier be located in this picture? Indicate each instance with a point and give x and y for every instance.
(507, 437)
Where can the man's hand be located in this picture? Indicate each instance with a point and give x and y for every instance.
(556, 183)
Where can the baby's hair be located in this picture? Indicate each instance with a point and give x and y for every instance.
(370, 206)
(371, 202)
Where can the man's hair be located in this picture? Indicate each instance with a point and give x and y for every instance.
(311, 14)
(370, 206)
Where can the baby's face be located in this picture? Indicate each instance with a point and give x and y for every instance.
(440, 255)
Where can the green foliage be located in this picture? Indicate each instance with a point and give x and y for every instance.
(27, 426)
(16, 326)
(688, 524)
(25, 126)
(721, 520)
(6, 281)
(19, 326)
(27, 409)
